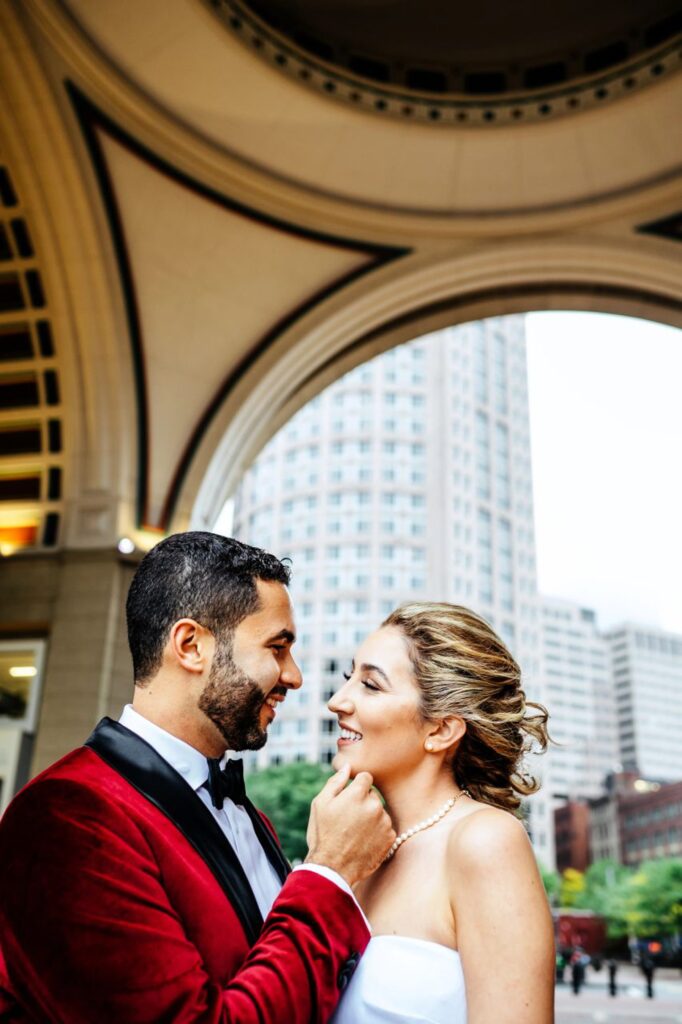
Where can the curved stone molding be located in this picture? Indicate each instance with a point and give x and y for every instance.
(161, 466)
(288, 149)
(31, 429)
(83, 299)
(507, 107)
(414, 297)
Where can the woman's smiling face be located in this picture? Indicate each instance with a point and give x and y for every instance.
(382, 731)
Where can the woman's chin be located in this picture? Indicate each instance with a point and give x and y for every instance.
(342, 757)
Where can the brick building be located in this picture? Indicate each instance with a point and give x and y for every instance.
(634, 821)
(572, 835)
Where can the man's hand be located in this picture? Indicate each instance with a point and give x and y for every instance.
(349, 831)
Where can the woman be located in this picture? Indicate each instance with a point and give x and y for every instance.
(434, 709)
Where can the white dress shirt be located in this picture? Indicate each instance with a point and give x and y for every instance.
(233, 819)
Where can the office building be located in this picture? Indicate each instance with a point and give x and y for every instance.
(576, 670)
(647, 677)
(409, 477)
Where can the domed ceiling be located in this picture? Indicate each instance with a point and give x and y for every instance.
(518, 61)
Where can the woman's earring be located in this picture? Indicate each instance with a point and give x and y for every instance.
(429, 745)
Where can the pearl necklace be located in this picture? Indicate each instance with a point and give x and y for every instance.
(427, 823)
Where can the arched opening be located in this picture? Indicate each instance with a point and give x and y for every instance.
(410, 478)
(405, 301)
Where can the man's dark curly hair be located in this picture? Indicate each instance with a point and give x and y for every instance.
(195, 575)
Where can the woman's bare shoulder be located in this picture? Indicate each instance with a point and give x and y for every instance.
(487, 836)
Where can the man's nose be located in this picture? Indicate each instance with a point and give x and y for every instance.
(290, 675)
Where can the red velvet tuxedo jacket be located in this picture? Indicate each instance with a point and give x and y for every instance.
(122, 901)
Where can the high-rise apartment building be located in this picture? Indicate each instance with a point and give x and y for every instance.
(576, 668)
(410, 477)
(647, 677)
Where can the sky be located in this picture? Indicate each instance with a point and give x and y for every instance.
(606, 436)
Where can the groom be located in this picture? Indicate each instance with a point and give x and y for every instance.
(137, 882)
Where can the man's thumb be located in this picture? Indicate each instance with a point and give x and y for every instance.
(337, 782)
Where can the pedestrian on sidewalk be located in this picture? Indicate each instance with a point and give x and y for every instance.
(612, 968)
(648, 972)
(577, 970)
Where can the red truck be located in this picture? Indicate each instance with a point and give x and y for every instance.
(583, 928)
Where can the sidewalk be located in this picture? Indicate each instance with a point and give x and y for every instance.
(594, 1005)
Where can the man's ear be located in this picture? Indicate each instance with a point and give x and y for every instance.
(190, 645)
(445, 734)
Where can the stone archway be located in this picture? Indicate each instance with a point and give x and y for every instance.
(415, 297)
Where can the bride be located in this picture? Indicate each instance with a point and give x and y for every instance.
(462, 933)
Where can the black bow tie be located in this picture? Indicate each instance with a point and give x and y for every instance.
(227, 782)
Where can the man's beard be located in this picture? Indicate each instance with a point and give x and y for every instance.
(233, 701)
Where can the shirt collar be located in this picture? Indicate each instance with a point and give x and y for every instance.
(187, 761)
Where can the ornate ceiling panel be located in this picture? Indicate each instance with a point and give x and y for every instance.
(208, 285)
(442, 176)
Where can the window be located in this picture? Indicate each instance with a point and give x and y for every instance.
(21, 680)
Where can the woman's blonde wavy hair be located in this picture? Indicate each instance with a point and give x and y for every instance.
(463, 669)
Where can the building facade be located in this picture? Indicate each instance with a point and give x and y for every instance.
(650, 821)
(409, 478)
(634, 820)
(572, 836)
(576, 669)
(647, 676)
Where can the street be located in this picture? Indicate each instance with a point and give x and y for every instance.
(594, 1005)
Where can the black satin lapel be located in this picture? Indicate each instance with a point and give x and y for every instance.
(271, 847)
(140, 765)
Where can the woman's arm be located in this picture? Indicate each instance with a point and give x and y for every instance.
(504, 927)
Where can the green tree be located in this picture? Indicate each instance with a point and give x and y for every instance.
(551, 882)
(654, 898)
(605, 892)
(572, 884)
(285, 793)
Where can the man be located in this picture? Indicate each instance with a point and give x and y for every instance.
(648, 968)
(136, 875)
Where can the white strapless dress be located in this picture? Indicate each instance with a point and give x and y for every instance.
(405, 979)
